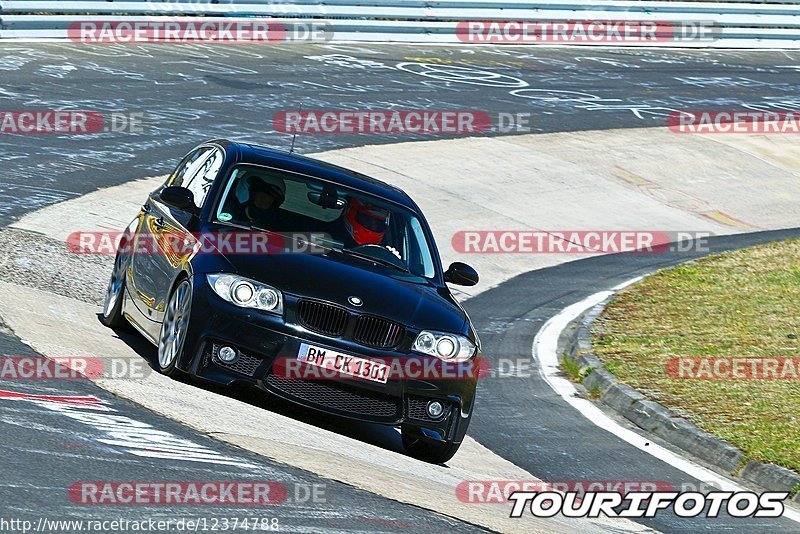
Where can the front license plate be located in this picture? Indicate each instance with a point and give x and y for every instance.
(343, 363)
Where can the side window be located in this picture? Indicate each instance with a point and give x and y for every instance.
(197, 172)
(423, 251)
(189, 163)
(200, 181)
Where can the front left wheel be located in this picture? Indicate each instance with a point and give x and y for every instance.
(174, 327)
(115, 292)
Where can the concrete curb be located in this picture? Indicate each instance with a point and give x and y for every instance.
(661, 421)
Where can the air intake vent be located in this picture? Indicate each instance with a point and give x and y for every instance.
(323, 318)
(245, 364)
(377, 332)
(339, 397)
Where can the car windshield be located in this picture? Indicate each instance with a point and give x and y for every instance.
(338, 218)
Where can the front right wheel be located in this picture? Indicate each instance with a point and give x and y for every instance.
(174, 328)
(428, 451)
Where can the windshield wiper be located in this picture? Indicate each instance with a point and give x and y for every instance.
(373, 259)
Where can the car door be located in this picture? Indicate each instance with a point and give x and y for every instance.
(159, 228)
(174, 228)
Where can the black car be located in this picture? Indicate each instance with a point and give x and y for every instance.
(315, 283)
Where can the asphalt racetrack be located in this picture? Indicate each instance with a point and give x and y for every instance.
(197, 92)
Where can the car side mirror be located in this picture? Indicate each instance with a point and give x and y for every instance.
(461, 274)
(179, 198)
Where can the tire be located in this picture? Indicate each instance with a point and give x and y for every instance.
(111, 315)
(427, 451)
(174, 328)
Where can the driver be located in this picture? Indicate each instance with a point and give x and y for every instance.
(366, 224)
(258, 198)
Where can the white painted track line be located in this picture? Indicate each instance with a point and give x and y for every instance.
(545, 351)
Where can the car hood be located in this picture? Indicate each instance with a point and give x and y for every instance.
(334, 277)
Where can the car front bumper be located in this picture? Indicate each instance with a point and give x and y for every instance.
(261, 340)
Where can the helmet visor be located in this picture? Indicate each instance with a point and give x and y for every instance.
(371, 222)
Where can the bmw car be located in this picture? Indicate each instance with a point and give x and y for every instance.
(309, 281)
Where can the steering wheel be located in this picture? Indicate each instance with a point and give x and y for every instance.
(379, 252)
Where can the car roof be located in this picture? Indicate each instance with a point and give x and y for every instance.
(260, 155)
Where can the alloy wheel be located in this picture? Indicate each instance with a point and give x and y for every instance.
(175, 325)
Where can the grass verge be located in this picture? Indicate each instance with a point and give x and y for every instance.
(739, 304)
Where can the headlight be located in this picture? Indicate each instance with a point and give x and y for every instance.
(246, 293)
(448, 347)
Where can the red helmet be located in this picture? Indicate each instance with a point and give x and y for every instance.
(366, 224)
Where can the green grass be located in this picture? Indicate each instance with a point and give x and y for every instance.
(572, 369)
(743, 303)
(575, 373)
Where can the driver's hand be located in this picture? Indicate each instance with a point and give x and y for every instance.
(394, 251)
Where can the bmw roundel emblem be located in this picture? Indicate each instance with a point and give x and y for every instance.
(355, 301)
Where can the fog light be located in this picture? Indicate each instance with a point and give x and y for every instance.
(435, 409)
(227, 354)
